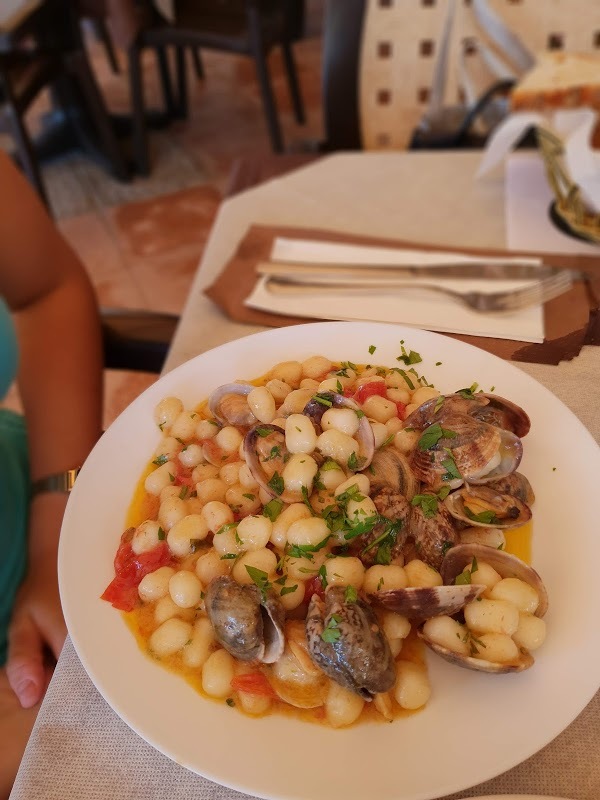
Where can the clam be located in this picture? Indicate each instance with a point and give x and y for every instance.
(294, 677)
(345, 641)
(483, 506)
(396, 509)
(507, 565)
(433, 533)
(318, 405)
(504, 414)
(515, 484)
(418, 603)
(228, 404)
(265, 453)
(468, 450)
(430, 411)
(247, 623)
(391, 470)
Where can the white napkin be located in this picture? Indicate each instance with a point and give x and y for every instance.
(418, 308)
(527, 199)
(573, 127)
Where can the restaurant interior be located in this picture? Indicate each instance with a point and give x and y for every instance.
(229, 168)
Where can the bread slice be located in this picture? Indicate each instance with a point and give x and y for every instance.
(559, 80)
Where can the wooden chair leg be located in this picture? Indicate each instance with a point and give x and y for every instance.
(139, 133)
(77, 66)
(264, 79)
(182, 84)
(165, 80)
(292, 79)
(25, 152)
(198, 65)
(103, 35)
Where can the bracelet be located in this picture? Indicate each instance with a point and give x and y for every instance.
(59, 482)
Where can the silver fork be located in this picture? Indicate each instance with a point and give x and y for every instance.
(508, 300)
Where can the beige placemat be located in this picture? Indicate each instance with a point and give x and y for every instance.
(571, 320)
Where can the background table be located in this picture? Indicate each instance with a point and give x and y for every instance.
(79, 748)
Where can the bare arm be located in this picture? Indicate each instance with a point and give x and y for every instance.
(60, 363)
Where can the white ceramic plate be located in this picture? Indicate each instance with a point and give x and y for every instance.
(475, 725)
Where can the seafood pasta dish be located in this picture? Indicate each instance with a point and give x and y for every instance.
(298, 542)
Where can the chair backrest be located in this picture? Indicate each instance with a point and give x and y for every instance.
(379, 56)
(342, 35)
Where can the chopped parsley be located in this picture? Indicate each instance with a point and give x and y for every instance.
(260, 578)
(161, 535)
(350, 595)
(306, 550)
(184, 492)
(227, 527)
(372, 349)
(263, 432)
(276, 483)
(160, 460)
(323, 399)
(431, 436)
(331, 632)
(273, 509)
(449, 464)
(487, 517)
(409, 358)
(468, 393)
(275, 453)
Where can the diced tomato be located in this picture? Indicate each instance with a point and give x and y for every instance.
(121, 594)
(253, 683)
(130, 569)
(370, 389)
(314, 586)
(401, 409)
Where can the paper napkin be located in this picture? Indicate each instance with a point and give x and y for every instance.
(414, 307)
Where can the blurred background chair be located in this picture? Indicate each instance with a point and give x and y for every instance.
(137, 340)
(246, 27)
(43, 49)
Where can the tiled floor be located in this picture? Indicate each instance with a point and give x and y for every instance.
(141, 241)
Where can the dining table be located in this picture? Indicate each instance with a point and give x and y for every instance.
(79, 747)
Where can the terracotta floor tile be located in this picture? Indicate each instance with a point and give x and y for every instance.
(120, 389)
(166, 223)
(91, 238)
(164, 282)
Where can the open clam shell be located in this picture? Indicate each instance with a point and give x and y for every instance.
(254, 437)
(315, 409)
(418, 603)
(390, 469)
(506, 564)
(229, 406)
(504, 414)
(247, 624)
(479, 664)
(509, 512)
(516, 485)
(431, 410)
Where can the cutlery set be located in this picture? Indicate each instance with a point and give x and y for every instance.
(304, 279)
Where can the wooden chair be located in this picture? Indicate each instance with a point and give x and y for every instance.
(44, 50)
(246, 27)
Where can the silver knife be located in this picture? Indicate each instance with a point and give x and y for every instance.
(494, 269)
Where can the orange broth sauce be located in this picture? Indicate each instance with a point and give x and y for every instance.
(141, 620)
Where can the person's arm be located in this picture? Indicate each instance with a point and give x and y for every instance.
(60, 383)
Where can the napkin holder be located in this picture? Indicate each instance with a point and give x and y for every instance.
(569, 205)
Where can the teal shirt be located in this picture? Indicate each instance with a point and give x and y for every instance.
(14, 482)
